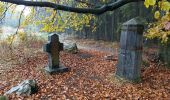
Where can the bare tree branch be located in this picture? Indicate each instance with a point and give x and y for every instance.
(4, 13)
(20, 19)
(19, 23)
(100, 10)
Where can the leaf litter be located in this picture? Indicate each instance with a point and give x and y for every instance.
(90, 78)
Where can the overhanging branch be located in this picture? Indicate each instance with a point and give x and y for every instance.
(100, 10)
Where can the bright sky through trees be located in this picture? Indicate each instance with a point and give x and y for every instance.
(26, 10)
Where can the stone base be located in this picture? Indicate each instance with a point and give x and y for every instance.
(60, 69)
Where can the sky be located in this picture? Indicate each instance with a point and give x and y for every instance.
(26, 11)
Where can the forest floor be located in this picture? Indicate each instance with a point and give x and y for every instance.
(90, 77)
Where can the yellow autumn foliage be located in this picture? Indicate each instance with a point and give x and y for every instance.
(157, 29)
(148, 3)
(2, 7)
(160, 28)
(157, 15)
(22, 36)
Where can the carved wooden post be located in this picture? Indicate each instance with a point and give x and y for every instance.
(130, 53)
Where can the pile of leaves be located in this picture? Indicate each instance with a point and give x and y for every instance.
(90, 77)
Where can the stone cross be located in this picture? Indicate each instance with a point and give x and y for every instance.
(130, 52)
(53, 48)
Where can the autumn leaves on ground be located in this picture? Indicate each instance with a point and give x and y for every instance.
(91, 76)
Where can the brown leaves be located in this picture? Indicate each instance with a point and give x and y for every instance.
(88, 79)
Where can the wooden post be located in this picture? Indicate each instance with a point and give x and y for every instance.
(130, 53)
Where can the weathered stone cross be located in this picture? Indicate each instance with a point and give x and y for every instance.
(53, 48)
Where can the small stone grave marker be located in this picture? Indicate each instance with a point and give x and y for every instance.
(53, 48)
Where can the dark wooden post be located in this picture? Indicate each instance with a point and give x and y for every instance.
(130, 53)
